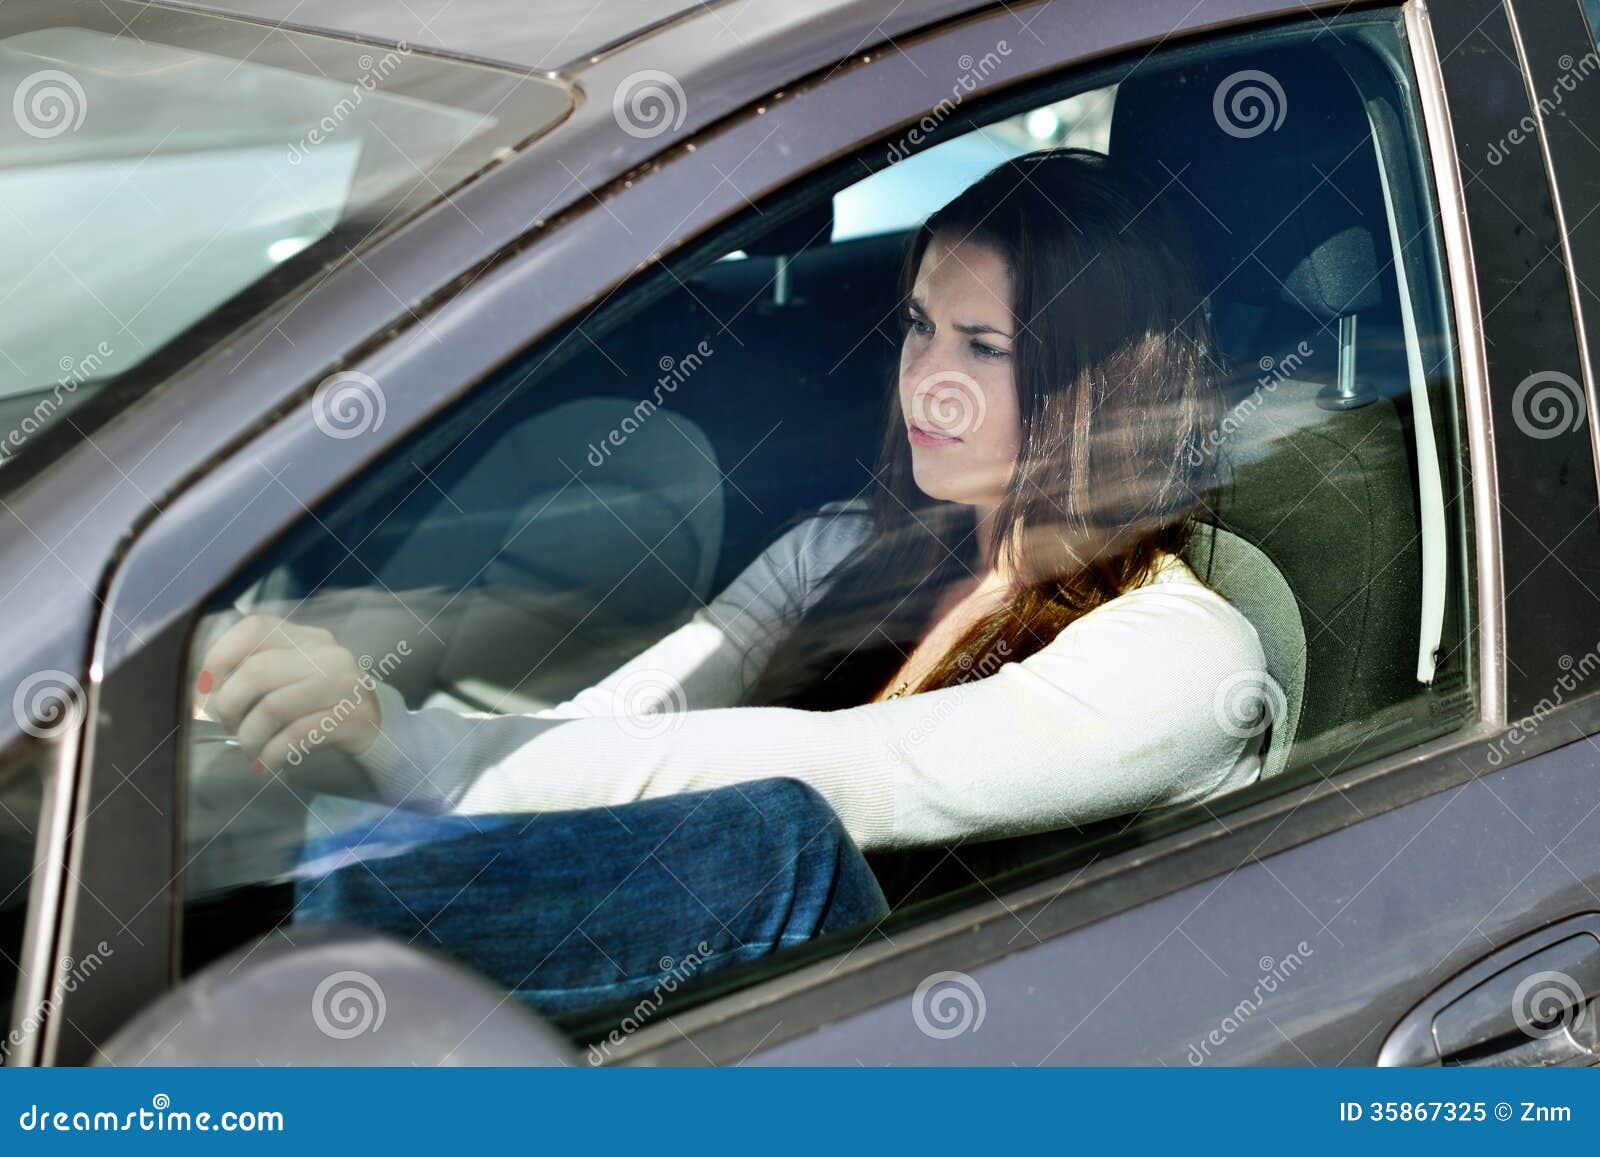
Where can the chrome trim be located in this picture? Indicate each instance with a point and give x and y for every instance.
(44, 929)
(1474, 362)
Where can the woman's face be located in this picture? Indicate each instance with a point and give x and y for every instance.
(958, 392)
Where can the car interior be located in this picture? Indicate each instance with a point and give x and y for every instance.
(1326, 529)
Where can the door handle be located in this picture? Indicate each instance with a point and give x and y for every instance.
(1540, 1011)
(1534, 1003)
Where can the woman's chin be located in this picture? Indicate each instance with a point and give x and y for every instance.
(954, 486)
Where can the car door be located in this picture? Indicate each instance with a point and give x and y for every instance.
(1359, 874)
(1449, 914)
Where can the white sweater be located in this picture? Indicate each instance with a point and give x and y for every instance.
(1123, 711)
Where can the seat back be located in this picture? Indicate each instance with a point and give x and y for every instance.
(1286, 225)
(639, 527)
(1247, 578)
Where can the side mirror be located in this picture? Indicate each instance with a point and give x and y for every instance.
(340, 995)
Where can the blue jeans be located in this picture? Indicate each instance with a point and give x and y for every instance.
(573, 910)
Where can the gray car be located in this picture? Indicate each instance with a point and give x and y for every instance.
(516, 333)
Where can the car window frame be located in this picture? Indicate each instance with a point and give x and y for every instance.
(814, 993)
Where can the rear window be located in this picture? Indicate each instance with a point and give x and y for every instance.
(146, 180)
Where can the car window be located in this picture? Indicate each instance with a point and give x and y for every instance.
(897, 198)
(607, 541)
(148, 180)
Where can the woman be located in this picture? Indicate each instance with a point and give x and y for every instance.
(1000, 638)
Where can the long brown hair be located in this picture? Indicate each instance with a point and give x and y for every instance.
(1117, 390)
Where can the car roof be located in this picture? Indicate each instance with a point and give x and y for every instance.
(556, 35)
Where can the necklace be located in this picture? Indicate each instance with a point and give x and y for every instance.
(899, 691)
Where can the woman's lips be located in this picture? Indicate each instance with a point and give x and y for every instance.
(922, 436)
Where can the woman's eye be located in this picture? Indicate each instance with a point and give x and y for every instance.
(984, 350)
(917, 325)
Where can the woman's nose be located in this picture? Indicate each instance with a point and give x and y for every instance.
(928, 364)
(947, 400)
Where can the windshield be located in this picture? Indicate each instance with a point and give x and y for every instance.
(159, 164)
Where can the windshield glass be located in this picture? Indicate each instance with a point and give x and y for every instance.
(158, 165)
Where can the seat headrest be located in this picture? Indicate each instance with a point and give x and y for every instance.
(1267, 157)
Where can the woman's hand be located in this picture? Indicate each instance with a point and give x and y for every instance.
(285, 690)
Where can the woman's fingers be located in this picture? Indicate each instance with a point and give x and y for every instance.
(303, 736)
(264, 672)
(252, 635)
(279, 708)
(284, 690)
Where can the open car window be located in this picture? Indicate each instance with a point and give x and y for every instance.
(596, 496)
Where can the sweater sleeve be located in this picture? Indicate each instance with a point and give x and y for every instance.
(1122, 711)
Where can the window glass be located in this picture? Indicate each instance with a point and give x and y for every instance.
(899, 197)
(145, 181)
(699, 591)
